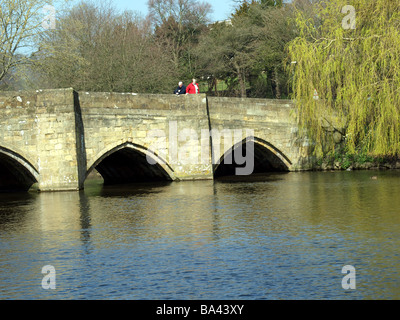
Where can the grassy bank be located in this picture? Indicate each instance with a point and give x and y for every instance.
(340, 160)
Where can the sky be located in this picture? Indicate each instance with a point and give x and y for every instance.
(221, 8)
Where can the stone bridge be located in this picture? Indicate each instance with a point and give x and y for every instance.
(56, 138)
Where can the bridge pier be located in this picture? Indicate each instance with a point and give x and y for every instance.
(43, 131)
(60, 151)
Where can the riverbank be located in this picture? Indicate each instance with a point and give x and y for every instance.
(349, 164)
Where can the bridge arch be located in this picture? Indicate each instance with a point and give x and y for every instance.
(267, 158)
(16, 172)
(127, 163)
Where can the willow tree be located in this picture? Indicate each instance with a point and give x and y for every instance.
(349, 52)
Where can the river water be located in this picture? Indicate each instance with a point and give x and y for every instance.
(281, 236)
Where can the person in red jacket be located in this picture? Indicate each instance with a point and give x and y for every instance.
(193, 88)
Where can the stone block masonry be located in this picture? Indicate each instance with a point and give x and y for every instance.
(57, 137)
(40, 127)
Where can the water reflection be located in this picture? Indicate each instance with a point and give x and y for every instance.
(275, 237)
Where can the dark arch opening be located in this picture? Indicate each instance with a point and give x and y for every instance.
(127, 165)
(267, 159)
(14, 177)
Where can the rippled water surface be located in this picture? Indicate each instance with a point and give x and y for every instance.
(283, 236)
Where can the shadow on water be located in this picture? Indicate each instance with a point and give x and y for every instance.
(12, 198)
(257, 177)
(97, 188)
(15, 207)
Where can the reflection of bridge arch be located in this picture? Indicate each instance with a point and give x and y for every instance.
(127, 163)
(267, 158)
(16, 173)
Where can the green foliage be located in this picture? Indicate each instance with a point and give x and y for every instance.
(178, 26)
(363, 158)
(272, 3)
(243, 8)
(248, 51)
(355, 71)
(246, 6)
(97, 48)
(345, 159)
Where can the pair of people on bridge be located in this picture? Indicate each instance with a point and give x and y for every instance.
(192, 88)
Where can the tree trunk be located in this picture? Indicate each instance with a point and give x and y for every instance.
(2, 74)
(277, 84)
(242, 82)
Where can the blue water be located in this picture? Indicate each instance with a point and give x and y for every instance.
(283, 236)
